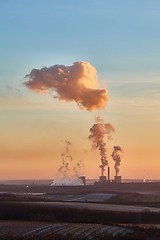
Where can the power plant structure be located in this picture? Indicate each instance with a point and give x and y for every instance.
(104, 179)
(107, 179)
(83, 179)
(117, 179)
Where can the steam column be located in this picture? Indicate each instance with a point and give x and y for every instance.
(102, 178)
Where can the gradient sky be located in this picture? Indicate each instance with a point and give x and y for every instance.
(121, 40)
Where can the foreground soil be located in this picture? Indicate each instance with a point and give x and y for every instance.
(68, 231)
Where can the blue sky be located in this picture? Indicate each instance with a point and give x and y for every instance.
(120, 38)
(115, 36)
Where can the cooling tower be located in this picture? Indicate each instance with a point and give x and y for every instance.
(117, 179)
(102, 179)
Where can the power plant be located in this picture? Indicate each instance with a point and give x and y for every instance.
(107, 179)
(81, 180)
(70, 169)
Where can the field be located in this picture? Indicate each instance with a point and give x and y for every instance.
(85, 212)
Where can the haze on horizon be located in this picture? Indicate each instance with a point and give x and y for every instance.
(120, 39)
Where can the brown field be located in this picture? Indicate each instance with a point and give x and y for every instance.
(33, 230)
(118, 211)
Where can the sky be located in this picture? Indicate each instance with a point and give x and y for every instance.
(121, 40)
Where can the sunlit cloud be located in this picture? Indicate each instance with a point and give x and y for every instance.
(76, 83)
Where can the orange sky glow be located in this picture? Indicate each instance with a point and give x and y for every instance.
(63, 63)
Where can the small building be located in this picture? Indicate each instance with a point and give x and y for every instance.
(83, 179)
(102, 179)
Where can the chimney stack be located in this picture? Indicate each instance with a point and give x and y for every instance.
(108, 174)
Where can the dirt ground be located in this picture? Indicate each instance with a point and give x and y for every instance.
(18, 227)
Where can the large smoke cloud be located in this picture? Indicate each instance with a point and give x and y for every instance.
(77, 83)
(97, 135)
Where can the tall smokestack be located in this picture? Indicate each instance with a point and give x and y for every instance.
(108, 174)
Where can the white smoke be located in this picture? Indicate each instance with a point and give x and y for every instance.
(116, 155)
(69, 171)
(97, 135)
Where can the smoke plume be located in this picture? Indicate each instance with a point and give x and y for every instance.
(77, 169)
(77, 83)
(69, 172)
(117, 150)
(66, 158)
(97, 135)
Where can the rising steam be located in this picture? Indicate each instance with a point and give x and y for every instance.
(116, 155)
(69, 172)
(77, 83)
(97, 135)
(66, 158)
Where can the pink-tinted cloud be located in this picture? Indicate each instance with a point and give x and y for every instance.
(78, 83)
